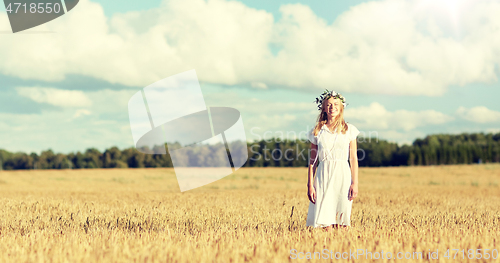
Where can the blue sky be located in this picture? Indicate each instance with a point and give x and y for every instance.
(408, 68)
(327, 10)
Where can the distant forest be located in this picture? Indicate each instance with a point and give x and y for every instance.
(432, 150)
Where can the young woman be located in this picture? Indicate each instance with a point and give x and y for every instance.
(335, 185)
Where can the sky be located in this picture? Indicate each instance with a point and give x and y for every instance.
(408, 68)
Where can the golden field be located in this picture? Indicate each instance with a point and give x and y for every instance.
(139, 215)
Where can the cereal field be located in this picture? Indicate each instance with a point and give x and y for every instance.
(139, 215)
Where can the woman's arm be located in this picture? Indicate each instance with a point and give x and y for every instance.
(353, 160)
(311, 192)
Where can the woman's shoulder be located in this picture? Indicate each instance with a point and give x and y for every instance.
(323, 127)
(352, 131)
(352, 128)
(350, 125)
(311, 132)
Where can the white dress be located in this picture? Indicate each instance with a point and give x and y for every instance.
(333, 178)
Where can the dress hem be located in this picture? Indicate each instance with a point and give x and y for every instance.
(323, 225)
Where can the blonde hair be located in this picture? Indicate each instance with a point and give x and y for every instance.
(323, 118)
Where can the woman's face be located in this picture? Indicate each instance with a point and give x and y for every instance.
(332, 107)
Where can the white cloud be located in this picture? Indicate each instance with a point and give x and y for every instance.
(375, 117)
(479, 114)
(110, 101)
(105, 122)
(271, 122)
(494, 130)
(56, 97)
(259, 85)
(270, 105)
(388, 46)
(102, 124)
(81, 112)
(56, 130)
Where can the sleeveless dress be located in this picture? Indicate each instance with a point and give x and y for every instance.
(333, 178)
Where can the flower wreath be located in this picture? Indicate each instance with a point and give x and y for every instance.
(330, 94)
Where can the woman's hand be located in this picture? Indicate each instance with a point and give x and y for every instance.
(311, 193)
(353, 191)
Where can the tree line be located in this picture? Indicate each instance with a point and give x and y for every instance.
(432, 150)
